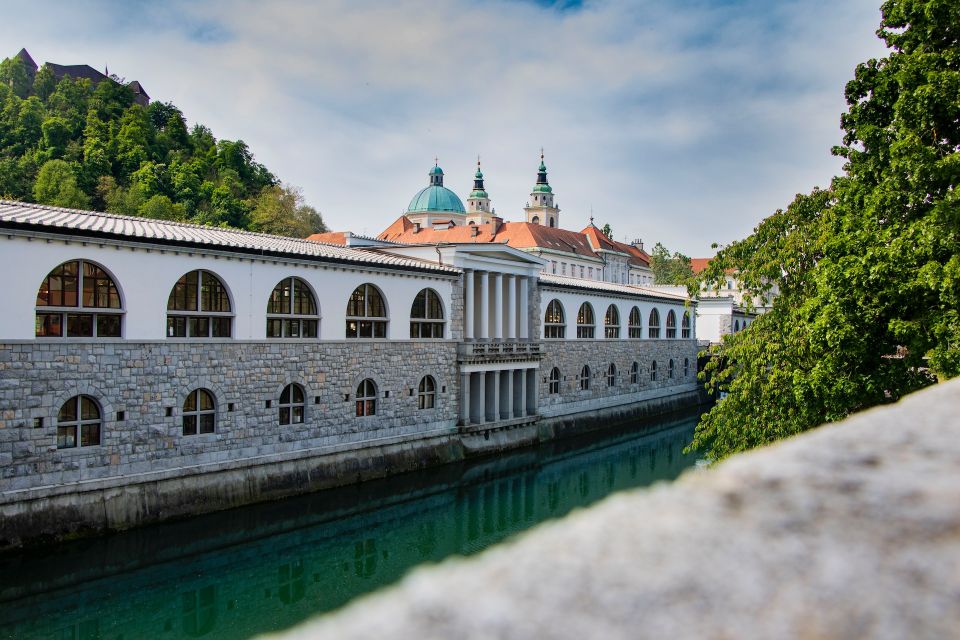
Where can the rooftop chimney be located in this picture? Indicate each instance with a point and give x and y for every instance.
(474, 231)
(416, 227)
(638, 243)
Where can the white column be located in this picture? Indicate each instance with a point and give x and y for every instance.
(468, 304)
(483, 329)
(481, 399)
(523, 391)
(507, 398)
(465, 398)
(534, 392)
(496, 396)
(498, 306)
(524, 310)
(510, 310)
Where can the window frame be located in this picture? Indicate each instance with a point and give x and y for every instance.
(192, 317)
(612, 375)
(286, 319)
(553, 382)
(200, 415)
(435, 325)
(79, 424)
(291, 405)
(685, 326)
(553, 327)
(67, 314)
(635, 329)
(586, 327)
(611, 330)
(378, 324)
(671, 325)
(635, 373)
(670, 369)
(366, 398)
(653, 371)
(427, 393)
(653, 324)
(585, 378)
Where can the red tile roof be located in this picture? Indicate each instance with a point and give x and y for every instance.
(330, 237)
(699, 264)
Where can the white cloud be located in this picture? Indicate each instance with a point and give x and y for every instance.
(680, 122)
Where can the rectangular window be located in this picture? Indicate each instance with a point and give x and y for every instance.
(79, 325)
(206, 423)
(49, 325)
(108, 326)
(553, 265)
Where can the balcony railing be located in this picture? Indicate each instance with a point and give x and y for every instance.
(501, 349)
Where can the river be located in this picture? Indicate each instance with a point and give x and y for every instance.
(246, 571)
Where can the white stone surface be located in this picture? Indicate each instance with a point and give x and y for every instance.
(850, 531)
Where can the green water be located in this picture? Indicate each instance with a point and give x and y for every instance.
(267, 567)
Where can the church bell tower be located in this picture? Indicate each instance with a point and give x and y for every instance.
(541, 208)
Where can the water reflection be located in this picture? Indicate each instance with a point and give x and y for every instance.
(267, 567)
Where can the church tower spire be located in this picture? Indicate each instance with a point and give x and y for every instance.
(541, 208)
(478, 202)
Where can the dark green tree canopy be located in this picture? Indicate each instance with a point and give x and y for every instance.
(74, 144)
(869, 269)
(670, 269)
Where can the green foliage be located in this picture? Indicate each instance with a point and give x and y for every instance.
(607, 230)
(57, 185)
(112, 154)
(280, 210)
(670, 269)
(868, 270)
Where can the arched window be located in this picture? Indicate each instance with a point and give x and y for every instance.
(611, 375)
(199, 413)
(426, 316)
(292, 405)
(686, 367)
(670, 369)
(427, 393)
(653, 325)
(736, 326)
(78, 423)
(671, 324)
(611, 322)
(366, 313)
(635, 373)
(554, 325)
(554, 387)
(636, 330)
(653, 371)
(685, 325)
(78, 299)
(366, 398)
(586, 322)
(199, 307)
(585, 378)
(292, 311)
(535, 220)
(552, 222)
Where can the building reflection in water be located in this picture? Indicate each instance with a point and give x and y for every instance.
(267, 567)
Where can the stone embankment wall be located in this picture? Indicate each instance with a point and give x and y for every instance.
(850, 531)
(141, 387)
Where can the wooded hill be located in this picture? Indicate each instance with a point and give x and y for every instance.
(73, 143)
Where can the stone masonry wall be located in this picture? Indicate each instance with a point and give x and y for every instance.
(571, 355)
(148, 383)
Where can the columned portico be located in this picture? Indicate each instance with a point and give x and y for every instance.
(524, 308)
(484, 332)
(497, 310)
(468, 304)
(510, 308)
(492, 395)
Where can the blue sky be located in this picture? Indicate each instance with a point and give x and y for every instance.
(684, 122)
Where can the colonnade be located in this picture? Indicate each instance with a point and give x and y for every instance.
(500, 394)
(495, 306)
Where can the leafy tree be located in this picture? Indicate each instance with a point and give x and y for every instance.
(869, 269)
(670, 269)
(281, 210)
(607, 230)
(44, 83)
(161, 207)
(57, 185)
(13, 73)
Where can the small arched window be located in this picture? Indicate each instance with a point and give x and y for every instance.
(653, 325)
(199, 413)
(671, 324)
(78, 423)
(292, 405)
(686, 367)
(670, 369)
(586, 322)
(78, 299)
(636, 330)
(653, 371)
(611, 375)
(292, 310)
(554, 387)
(535, 219)
(366, 313)
(635, 373)
(585, 378)
(426, 315)
(611, 322)
(199, 307)
(554, 325)
(736, 326)
(366, 398)
(552, 222)
(685, 325)
(427, 393)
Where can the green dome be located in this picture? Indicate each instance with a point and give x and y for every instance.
(436, 198)
(436, 171)
(478, 193)
(542, 188)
